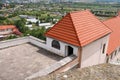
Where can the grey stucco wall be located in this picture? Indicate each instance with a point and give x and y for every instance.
(92, 53)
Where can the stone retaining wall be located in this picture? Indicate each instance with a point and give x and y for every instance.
(22, 40)
(13, 42)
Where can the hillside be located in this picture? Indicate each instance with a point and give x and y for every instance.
(99, 72)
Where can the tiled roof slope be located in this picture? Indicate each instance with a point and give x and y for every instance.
(6, 27)
(78, 28)
(114, 25)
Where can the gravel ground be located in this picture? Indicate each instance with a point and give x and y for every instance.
(19, 62)
(99, 72)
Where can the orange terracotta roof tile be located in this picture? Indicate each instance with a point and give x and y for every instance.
(7, 26)
(114, 41)
(78, 28)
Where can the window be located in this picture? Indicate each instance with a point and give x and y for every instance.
(56, 44)
(111, 55)
(103, 51)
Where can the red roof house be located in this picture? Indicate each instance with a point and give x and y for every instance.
(8, 29)
(114, 41)
(80, 33)
(78, 28)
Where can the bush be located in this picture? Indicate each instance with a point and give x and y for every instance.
(11, 37)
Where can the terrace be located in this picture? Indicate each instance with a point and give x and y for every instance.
(22, 57)
(28, 57)
(21, 61)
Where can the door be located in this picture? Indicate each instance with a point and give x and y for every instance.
(70, 51)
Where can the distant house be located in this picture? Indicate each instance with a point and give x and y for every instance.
(8, 29)
(114, 41)
(46, 25)
(30, 26)
(23, 16)
(29, 18)
(33, 20)
(81, 34)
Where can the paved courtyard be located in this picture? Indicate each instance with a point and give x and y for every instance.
(19, 62)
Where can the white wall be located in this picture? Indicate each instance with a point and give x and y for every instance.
(44, 24)
(5, 32)
(62, 51)
(39, 43)
(92, 53)
(18, 41)
(33, 20)
(13, 42)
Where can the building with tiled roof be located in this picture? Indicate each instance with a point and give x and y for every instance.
(79, 37)
(79, 29)
(8, 29)
(82, 34)
(114, 41)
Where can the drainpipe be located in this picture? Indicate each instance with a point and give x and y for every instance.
(79, 57)
(107, 58)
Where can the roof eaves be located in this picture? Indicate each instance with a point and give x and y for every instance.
(102, 23)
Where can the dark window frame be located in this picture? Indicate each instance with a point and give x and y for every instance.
(103, 50)
(115, 52)
(111, 55)
(56, 44)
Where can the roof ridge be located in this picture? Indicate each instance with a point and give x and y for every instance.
(78, 11)
(107, 26)
(101, 22)
(107, 21)
(111, 18)
(75, 29)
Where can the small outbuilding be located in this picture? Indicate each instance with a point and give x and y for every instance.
(80, 33)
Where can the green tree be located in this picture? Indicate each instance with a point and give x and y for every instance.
(39, 33)
(11, 37)
(9, 22)
(20, 24)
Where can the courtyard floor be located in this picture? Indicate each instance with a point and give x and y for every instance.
(19, 62)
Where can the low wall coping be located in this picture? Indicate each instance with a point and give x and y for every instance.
(52, 68)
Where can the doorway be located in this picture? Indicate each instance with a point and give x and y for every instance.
(70, 51)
